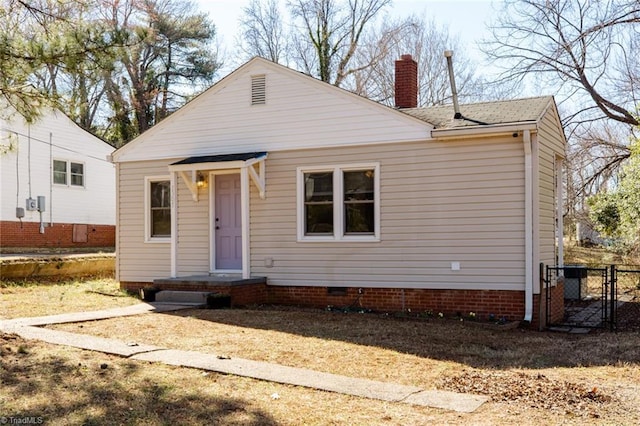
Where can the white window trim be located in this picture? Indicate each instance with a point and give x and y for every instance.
(84, 173)
(338, 203)
(67, 172)
(147, 209)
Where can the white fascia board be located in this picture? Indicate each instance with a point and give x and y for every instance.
(489, 130)
(219, 165)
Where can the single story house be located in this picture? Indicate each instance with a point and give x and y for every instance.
(333, 199)
(58, 187)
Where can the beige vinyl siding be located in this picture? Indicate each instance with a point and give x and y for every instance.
(144, 261)
(193, 230)
(295, 115)
(441, 202)
(551, 145)
(138, 260)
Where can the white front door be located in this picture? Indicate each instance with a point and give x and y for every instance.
(228, 222)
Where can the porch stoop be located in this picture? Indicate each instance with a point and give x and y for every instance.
(195, 298)
(242, 291)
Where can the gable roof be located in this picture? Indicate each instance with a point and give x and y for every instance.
(218, 122)
(483, 113)
(11, 118)
(221, 120)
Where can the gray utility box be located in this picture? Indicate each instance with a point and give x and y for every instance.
(575, 282)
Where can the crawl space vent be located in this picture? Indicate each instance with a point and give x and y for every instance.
(258, 90)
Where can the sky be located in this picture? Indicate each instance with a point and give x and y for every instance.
(466, 19)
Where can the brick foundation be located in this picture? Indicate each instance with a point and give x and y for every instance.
(556, 310)
(507, 304)
(27, 234)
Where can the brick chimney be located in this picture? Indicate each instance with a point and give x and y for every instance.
(406, 85)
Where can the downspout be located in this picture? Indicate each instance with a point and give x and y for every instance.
(528, 227)
(559, 212)
(118, 257)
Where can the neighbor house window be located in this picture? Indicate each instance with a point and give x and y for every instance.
(158, 211)
(59, 172)
(77, 174)
(339, 203)
(68, 173)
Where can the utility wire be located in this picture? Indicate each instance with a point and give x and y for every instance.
(57, 146)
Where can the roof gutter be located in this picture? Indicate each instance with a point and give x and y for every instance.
(528, 227)
(485, 130)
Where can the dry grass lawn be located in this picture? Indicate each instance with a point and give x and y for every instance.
(37, 298)
(531, 377)
(597, 256)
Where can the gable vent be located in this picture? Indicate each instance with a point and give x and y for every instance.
(258, 90)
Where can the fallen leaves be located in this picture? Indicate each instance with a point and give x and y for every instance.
(534, 390)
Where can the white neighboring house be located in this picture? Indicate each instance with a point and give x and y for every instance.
(66, 168)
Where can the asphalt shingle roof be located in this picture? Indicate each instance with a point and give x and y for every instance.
(482, 113)
(219, 158)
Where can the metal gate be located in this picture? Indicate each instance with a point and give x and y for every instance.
(590, 296)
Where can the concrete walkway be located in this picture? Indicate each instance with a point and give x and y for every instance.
(28, 328)
(582, 320)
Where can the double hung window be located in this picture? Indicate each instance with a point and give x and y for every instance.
(158, 209)
(68, 173)
(339, 203)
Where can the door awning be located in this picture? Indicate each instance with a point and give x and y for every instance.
(247, 160)
(217, 162)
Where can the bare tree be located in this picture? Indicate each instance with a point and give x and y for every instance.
(329, 34)
(353, 44)
(595, 158)
(586, 48)
(262, 31)
(426, 42)
(587, 53)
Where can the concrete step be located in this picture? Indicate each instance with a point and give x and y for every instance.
(182, 297)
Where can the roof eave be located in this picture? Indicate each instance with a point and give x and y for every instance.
(208, 166)
(483, 131)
